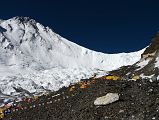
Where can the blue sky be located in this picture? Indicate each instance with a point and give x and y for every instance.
(108, 26)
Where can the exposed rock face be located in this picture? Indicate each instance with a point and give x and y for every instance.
(154, 46)
(107, 99)
(147, 66)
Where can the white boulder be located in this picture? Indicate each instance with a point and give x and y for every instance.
(107, 99)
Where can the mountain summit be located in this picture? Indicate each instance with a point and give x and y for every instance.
(33, 58)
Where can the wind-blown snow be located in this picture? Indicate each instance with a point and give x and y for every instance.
(34, 58)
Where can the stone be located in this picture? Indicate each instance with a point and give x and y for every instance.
(107, 99)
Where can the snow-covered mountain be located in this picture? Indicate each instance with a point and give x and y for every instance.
(33, 58)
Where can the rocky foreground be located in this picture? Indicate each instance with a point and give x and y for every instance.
(139, 100)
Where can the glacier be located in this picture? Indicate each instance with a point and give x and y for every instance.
(34, 58)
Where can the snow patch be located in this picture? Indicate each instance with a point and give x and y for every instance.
(157, 62)
(142, 64)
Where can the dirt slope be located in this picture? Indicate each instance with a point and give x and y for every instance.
(138, 101)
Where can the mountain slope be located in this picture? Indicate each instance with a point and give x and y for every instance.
(147, 67)
(34, 58)
(138, 101)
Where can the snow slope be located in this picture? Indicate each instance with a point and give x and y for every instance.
(34, 58)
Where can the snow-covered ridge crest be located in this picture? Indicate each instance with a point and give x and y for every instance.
(40, 47)
(28, 51)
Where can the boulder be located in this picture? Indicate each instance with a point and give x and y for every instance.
(107, 99)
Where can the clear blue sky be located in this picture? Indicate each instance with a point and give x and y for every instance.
(103, 25)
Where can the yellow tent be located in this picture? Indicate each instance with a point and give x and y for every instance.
(111, 77)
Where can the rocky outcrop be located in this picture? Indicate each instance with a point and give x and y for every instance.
(147, 67)
(154, 46)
